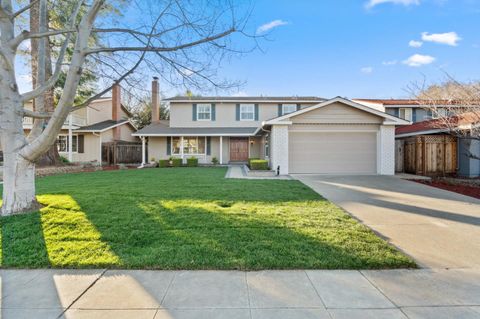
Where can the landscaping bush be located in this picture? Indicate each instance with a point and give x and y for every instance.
(164, 163)
(192, 162)
(214, 161)
(176, 162)
(252, 159)
(259, 165)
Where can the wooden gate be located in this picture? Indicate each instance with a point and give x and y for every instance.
(432, 155)
(122, 153)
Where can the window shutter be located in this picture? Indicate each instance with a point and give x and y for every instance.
(81, 144)
(299, 106)
(237, 112)
(279, 109)
(169, 145)
(209, 145)
(213, 112)
(194, 112)
(256, 112)
(397, 112)
(414, 115)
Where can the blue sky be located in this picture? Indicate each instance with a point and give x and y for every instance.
(352, 48)
(359, 48)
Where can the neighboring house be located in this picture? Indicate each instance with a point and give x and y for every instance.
(296, 134)
(409, 109)
(104, 120)
(444, 153)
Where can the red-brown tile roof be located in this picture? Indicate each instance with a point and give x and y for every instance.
(410, 102)
(464, 119)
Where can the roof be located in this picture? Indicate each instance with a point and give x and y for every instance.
(101, 126)
(160, 129)
(463, 121)
(393, 119)
(395, 102)
(293, 99)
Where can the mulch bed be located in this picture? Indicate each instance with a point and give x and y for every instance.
(472, 191)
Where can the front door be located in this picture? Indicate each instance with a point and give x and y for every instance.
(238, 149)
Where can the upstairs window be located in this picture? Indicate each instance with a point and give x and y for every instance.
(247, 112)
(204, 112)
(405, 113)
(288, 108)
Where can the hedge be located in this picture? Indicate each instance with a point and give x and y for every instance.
(164, 163)
(258, 164)
(192, 162)
(177, 162)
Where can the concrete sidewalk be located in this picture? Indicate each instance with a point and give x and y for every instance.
(240, 295)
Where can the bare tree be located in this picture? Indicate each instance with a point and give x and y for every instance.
(181, 40)
(455, 107)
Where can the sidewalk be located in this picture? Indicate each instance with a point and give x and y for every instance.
(425, 293)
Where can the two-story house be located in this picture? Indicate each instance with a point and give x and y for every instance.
(410, 109)
(296, 134)
(104, 120)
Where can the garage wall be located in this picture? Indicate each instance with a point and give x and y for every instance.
(337, 113)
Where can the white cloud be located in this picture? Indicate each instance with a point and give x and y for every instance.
(271, 25)
(417, 60)
(392, 62)
(366, 70)
(415, 44)
(372, 3)
(448, 38)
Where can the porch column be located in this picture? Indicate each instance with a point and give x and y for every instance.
(70, 139)
(100, 148)
(143, 151)
(181, 147)
(221, 150)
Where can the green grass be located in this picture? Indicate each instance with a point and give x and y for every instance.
(187, 218)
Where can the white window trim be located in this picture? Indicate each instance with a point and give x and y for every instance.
(210, 112)
(407, 110)
(253, 113)
(66, 152)
(181, 151)
(283, 108)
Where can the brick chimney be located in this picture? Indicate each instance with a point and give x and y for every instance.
(116, 110)
(155, 101)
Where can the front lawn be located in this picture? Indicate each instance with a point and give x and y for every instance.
(187, 218)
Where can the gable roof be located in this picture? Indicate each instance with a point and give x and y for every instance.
(102, 126)
(391, 118)
(411, 102)
(271, 99)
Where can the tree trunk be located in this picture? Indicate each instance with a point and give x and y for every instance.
(18, 185)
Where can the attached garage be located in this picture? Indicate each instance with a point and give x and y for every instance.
(332, 153)
(334, 137)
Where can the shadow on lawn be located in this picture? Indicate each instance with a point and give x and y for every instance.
(181, 234)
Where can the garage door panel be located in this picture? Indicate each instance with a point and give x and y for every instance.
(332, 152)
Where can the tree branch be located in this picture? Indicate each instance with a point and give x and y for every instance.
(24, 35)
(159, 49)
(58, 65)
(22, 10)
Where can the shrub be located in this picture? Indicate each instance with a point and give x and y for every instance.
(63, 159)
(259, 165)
(192, 162)
(252, 159)
(177, 162)
(164, 163)
(214, 161)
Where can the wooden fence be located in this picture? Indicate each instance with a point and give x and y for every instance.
(121, 153)
(431, 155)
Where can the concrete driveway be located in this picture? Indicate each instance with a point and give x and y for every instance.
(439, 229)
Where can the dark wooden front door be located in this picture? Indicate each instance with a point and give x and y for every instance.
(238, 149)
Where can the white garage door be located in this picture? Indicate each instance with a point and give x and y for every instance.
(332, 152)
